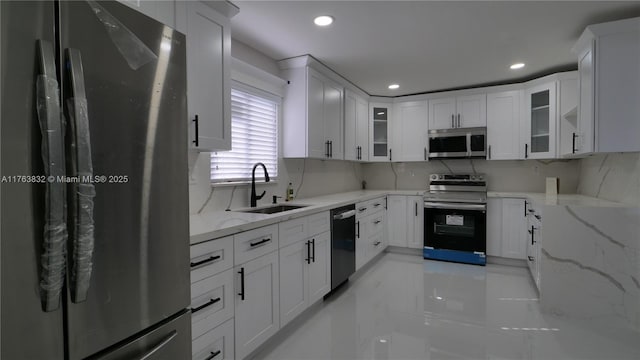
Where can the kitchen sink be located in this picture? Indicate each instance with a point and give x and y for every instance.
(273, 209)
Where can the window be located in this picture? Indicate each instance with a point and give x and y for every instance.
(254, 137)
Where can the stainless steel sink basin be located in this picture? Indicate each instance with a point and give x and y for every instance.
(273, 209)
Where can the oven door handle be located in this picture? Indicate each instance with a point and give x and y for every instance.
(454, 206)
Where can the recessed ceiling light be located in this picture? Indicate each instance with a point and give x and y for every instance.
(516, 66)
(394, 86)
(323, 20)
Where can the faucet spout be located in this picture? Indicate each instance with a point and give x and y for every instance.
(254, 197)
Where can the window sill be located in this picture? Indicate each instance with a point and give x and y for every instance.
(242, 183)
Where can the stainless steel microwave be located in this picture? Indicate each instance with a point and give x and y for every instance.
(458, 143)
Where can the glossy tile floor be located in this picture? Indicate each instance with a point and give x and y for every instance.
(404, 307)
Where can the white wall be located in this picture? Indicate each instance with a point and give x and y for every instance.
(614, 177)
(519, 176)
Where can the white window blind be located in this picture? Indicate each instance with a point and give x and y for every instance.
(254, 138)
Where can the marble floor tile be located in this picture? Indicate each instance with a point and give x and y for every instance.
(404, 307)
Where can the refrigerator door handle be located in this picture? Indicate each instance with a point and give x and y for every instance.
(83, 190)
(53, 155)
(167, 339)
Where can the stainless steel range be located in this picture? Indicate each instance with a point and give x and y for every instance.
(455, 218)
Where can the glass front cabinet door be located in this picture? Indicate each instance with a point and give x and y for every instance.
(540, 127)
(380, 117)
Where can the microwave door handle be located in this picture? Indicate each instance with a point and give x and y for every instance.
(55, 235)
(83, 192)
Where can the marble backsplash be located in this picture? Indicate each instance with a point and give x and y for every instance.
(614, 177)
(309, 178)
(517, 176)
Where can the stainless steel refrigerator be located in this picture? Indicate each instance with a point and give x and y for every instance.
(94, 194)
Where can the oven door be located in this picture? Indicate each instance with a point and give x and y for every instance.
(455, 226)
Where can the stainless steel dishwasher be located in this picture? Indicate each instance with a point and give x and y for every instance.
(343, 244)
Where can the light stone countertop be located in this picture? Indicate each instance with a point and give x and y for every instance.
(213, 225)
(557, 200)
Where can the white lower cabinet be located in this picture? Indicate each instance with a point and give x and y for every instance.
(320, 267)
(506, 228)
(305, 275)
(534, 239)
(513, 223)
(211, 302)
(396, 220)
(294, 272)
(406, 221)
(216, 344)
(257, 302)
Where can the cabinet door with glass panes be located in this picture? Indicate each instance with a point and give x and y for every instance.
(380, 117)
(540, 122)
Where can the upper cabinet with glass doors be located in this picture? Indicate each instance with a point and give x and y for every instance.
(540, 122)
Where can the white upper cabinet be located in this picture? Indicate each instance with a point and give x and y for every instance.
(409, 131)
(609, 87)
(208, 77)
(380, 148)
(458, 112)
(503, 126)
(356, 127)
(442, 114)
(471, 110)
(539, 125)
(312, 115)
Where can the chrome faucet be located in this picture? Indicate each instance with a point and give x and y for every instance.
(254, 197)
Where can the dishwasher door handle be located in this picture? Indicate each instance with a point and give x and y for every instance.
(344, 215)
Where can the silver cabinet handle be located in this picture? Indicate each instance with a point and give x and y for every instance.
(453, 124)
(83, 193)
(458, 120)
(489, 152)
(160, 345)
(425, 153)
(53, 152)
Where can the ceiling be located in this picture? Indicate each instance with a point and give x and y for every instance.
(426, 46)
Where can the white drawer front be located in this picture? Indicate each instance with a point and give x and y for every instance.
(252, 244)
(211, 257)
(211, 302)
(319, 223)
(377, 205)
(219, 339)
(370, 207)
(362, 209)
(292, 231)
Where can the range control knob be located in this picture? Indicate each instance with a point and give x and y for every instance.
(434, 177)
(441, 177)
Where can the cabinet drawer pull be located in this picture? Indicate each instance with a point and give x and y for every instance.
(241, 293)
(377, 222)
(213, 354)
(196, 142)
(531, 258)
(376, 243)
(376, 205)
(211, 259)
(260, 242)
(209, 303)
(362, 209)
(537, 217)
